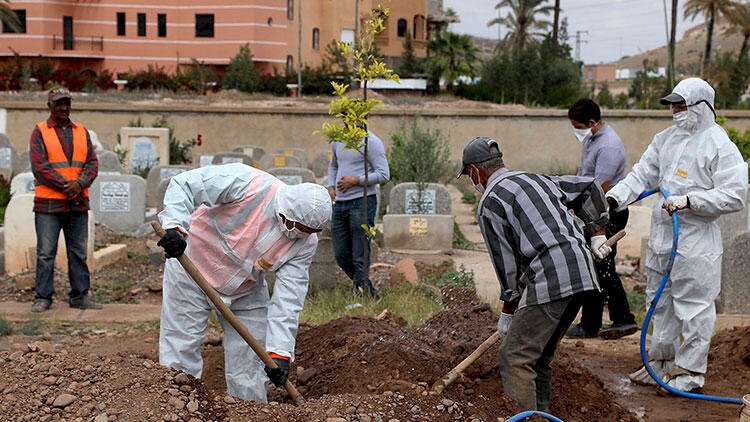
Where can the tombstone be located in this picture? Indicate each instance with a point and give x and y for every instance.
(109, 163)
(301, 155)
(146, 147)
(735, 267)
(409, 198)
(8, 157)
(254, 151)
(23, 164)
(98, 146)
(320, 163)
(157, 175)
(733, 223)
(160, 192)
(22, 183)
(205, 160)
(119, 201)
(20, 254)
(231, 157)
(279, 160)
(292, 175)
(419, 219)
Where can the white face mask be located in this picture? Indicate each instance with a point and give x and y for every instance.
(680, 116)
(294, 232)
(478, 186)
(582, 134)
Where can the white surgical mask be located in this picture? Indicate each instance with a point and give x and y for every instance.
(294, 233)
(582, 134)
(680, 116)
(478, 186)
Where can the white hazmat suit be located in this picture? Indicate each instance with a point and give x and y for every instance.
(694, 158)
(231, 214)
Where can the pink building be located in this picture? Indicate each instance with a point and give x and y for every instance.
(119, 35)
(599, 72)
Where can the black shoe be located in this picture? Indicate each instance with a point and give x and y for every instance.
(40, 305)
(576, 331)
(86, 303)
(615, 331)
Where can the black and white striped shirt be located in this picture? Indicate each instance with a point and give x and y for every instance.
(539, 253)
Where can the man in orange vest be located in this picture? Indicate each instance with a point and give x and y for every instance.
(64, 164)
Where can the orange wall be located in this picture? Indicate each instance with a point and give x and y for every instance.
(236, 22)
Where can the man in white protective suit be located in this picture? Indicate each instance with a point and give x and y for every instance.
(237, 223)
(705, 176)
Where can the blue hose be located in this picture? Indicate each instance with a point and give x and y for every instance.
(649, 313)
(523, 415)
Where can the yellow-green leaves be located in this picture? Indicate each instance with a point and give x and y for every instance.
(370, 231)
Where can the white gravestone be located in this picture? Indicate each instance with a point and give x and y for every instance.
(22, 183)
(205, 160)
(119, 201)
(20, 253)
(157, 175)
(146, 147)
(8, 157)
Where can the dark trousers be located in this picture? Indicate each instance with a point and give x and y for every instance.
(74, 226)
(528, 348)
(612, 291)
(349, 245)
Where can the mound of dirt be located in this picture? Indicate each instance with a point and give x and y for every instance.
(730, 354)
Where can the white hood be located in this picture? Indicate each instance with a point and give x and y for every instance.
(695, 90)
(306, 203)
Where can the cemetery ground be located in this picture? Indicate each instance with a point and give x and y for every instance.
(360, 364)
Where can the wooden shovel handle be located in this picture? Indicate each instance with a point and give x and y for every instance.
(227, 313)
(615, 238)
(454, 373)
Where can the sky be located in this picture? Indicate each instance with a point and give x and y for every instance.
(615, 28)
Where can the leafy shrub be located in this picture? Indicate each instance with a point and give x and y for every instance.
(418, 155)
(741, 139)
(241, 74)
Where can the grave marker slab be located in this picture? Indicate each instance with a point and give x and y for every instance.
(301, 155)
(735, 267)
(146, 147)
(320, 163)
(22, 183)
(292, 175)
(109, 163)
(231, 157)
(119, 201)
(8, 157)
(23, 164)
(205, 160)
(155, 176)
(410, 198)
(253, 151)
(279, 160)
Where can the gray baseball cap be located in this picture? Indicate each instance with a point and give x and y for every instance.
(672, 98)
(477, 151)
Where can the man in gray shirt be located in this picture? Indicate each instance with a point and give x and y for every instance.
(541, 259)
(346, 185)
(603, 158)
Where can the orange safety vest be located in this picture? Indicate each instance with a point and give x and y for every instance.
(56, 157)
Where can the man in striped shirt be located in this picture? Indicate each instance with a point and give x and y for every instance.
(541, 258)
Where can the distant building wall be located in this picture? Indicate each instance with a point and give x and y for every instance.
(537, 140)
(599, 72)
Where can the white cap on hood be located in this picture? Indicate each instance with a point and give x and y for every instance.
(306, 203)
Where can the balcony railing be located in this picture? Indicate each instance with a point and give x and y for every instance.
(77, 43)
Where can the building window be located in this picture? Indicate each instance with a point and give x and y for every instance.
(289, 64)
(21, 14)
(316, 39)
(419, 26)
(67, 32)
(401, 27)
(141, 18)
(120, 23)
(204, 26)
(161, 24)
(269, 21)
(290, 9)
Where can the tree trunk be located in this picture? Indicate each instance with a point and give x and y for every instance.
(743, 49)
(672, 40)
(556, 22)
(709, 38)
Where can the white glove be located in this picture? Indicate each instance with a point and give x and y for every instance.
(598, 248)
(503, 323)
(675, 203)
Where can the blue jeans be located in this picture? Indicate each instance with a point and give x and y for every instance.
(348, 237)
(75, 229)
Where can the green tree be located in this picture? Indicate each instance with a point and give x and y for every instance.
(604, 97)
(711, 10)
(419, 155)
(451, 55)
(410, 63)
(524, 21)
(647, 89)
(739, 20)
(728, 80)
(8, 15)
(336, 63)
(241, 73)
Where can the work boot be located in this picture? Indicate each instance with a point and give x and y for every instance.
(617, 330)
(576, 331)
(642, 377)
(40, 305)
(86, 303)
(683, 380)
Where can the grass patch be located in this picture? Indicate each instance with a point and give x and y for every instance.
(447, 275)
(116, 293)
(460, 241)
(30, 328)
(413, 303)
(5, 328)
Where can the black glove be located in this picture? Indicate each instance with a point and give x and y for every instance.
(173, 243)
(612, 204)
(278, 375)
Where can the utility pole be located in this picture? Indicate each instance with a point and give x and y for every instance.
(579, 41)
(672, 41)
(299, 49)
(556, 22)
(669, 45)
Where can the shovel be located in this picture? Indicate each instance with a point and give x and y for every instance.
(458, 370)
(227, 313)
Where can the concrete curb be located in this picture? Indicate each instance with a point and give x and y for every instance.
(61, 312)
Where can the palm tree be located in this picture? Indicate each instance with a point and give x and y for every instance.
(711, 9)
(556, 22)
(739, 18)
(8, 16)
(672, 38)
(451, 55)
(525, 27)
